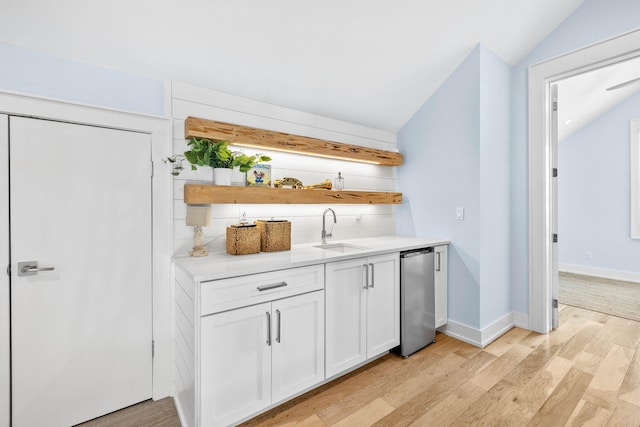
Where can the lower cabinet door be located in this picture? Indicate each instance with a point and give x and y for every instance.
(235, 377)
(441, 285)
(298, 344)
(346, 315)
(383, 304)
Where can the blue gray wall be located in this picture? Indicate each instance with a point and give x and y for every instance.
(594, 21)
(36, 73)
(456, 155)
(593, 193)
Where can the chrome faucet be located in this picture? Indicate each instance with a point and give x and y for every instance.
(326, 235)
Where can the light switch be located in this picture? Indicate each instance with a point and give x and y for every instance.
(460, 213)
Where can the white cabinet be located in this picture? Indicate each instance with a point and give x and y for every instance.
(362, 316)
(235, 374)
(258, 355)
(441, 285)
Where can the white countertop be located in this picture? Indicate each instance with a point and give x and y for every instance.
(220, 265)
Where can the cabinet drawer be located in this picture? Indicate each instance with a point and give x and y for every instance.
(227, 294)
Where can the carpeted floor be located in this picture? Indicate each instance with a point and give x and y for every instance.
(614, 297)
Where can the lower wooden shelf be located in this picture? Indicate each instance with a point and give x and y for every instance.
(204, 194)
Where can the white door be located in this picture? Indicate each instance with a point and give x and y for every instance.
(235, 373)
(298, 344)
(80, 202)
(346, 315)
(553, 138)
(383, 304)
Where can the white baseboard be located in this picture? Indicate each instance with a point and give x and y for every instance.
(600, 272)
(521, 320)
(485, 336)
(464, 333)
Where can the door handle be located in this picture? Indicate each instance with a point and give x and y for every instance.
(366, 279)
(30, 268)
(437, 261)
(278, 326)
(373, 275)
(268, 328)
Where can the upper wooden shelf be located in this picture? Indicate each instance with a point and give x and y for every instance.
(204, 194)
(259, 138)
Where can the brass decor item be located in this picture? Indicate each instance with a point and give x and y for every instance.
(288, 182)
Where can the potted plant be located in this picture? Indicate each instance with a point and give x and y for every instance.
(216, 155)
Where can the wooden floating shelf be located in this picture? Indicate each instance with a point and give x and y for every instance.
(259, 138)
(204, 194)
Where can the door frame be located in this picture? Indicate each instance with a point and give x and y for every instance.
(159, 129)
(540, 209)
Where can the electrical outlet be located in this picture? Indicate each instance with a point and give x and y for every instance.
(358, 217)
(589, 255)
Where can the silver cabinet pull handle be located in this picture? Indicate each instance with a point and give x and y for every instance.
(268, 328)
(437, 261)
(278, 326)
(271, 286)
(373, 275)
(366, 280)
(29, 268)
(32, 269)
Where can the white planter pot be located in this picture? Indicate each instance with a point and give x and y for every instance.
(222, 176)
(238, 178)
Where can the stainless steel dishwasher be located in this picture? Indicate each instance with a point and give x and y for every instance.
(417, 300)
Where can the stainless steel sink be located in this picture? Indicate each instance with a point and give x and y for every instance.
(341, 247)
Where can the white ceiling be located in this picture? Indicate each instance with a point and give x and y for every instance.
(585, 97)
(372, 62)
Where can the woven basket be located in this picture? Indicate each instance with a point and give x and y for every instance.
(243, 239)
(275, 235)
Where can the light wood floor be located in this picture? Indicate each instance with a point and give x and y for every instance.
(585, 373)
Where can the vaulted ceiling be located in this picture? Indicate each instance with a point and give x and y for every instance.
(372, 62)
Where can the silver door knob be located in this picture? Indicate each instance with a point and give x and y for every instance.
(30, 268)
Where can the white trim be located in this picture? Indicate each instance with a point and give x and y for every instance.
(521, 320)
(604, 273)
(540, 207)
(5, 354)
(634, 127)
(159, 130)
(496, 329)
(464, 333)
(485, 336)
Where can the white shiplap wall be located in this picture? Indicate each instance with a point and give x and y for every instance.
(306, 220)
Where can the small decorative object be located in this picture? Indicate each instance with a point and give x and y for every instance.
(339, 182)
(243, 239)
(259, 175)
(288, 182)
(275, 235)
(198, 216)
(217, 155)
(324, 185)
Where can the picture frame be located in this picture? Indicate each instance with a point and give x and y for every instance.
(259, 176)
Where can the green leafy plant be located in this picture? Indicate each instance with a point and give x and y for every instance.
(205, 152)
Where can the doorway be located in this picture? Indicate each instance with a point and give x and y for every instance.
(597, 255)
(541, 181)
(159, 131)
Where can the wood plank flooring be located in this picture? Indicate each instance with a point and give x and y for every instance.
(585, 373)
(615, 297)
